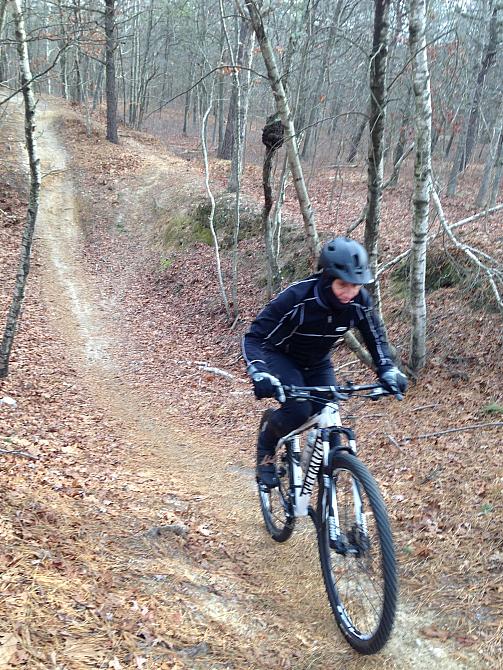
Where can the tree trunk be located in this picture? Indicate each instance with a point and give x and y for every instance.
(186, 109)
(62, 43)
(35, 180)
(273, 275)
(111, 86)
(225, 148)
(290, 137)
(211, 217)
(449, 144)
(322, 73)
(235, 178)
(247, 41)
(498, 172)
(402, 140)
(220, 113)
(491, 161)
(145, 78)
(97, 88)
(356, 139)
(488, 60)
(422, 183)
(378, 63)
(3, 60)
(452, 183)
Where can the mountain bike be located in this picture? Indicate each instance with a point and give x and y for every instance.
(354, 536)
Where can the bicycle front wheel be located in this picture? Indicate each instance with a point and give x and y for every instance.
(358, 558)
(276, 504)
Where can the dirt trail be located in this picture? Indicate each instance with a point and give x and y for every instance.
(286, 586)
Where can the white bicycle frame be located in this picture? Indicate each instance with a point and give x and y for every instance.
(328, 417)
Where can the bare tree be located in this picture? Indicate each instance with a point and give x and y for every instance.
(211, 218)
(498, 172)
(287, 121)
(378, 63)
(35, 181)
(492, 158)
(488, 59)
(111, 85)
(272, 137)
(3, 12)
(422, 182)
(468, 137)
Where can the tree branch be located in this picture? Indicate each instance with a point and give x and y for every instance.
(469, 251)
(37, 76)
(475, 426)
(205, 76)
(475, 217)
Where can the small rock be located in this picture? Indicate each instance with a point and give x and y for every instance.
(7, 400)
(200, 649)
(173, 528)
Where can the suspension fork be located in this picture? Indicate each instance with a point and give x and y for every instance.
(299, 501)
(330, 511)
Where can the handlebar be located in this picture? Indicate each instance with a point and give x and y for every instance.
(336, 392)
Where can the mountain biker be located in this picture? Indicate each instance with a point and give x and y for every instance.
(290, 340)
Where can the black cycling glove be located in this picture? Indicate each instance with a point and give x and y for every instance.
(266, 385)
(394, 381)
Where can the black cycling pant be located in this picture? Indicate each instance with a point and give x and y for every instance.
(292, 413)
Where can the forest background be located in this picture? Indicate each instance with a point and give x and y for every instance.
(390, 121)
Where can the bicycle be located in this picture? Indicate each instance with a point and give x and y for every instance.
(354, 536)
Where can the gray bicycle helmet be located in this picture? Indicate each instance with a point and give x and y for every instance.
(345, 259)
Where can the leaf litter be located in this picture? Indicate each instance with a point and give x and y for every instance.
(80, 569)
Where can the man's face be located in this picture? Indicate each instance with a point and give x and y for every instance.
(344, 291)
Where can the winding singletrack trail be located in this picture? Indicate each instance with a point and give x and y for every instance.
(278, 601)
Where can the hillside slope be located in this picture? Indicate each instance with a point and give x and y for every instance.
(131, 529)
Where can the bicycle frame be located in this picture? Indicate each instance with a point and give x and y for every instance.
(325, 420)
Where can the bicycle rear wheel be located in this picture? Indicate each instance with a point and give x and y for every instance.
(359, 569)
(276, 504)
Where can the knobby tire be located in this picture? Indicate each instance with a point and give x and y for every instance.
(276, 503)
(376, 555)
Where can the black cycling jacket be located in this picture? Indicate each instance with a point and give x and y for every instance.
(306, 320)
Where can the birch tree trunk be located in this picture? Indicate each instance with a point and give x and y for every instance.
(422, 182)
(237, 152)
(287, 121)
(242, 79)
(35, 180)
(211, 218)
(3, 12)
(375, 170)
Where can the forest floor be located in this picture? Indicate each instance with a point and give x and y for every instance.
(130, 528)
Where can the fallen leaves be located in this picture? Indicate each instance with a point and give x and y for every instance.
(80, 553)
(8, 651)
